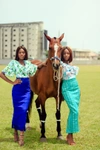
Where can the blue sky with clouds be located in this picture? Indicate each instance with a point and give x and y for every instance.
(78, 19)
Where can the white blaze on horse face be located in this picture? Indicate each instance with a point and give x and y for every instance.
(55, 49)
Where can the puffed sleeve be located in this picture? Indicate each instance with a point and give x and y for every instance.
(76, 69)
(32, 69)
(62, 64)
(9, 70)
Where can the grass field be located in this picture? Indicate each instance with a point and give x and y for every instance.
(87, 139)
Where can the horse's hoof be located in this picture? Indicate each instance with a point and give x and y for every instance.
(28, 126)
(60, 137)
(43, 139)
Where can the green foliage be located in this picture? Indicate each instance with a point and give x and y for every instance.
(87, 139)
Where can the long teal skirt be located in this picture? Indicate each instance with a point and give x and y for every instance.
(71, 94)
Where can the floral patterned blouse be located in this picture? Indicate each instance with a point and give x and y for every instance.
(69, 71)
(20, 71)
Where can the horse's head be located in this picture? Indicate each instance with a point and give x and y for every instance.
(55, 48)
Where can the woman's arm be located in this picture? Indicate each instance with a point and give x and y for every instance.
(39, 63)
(17, 81)
(42, 64)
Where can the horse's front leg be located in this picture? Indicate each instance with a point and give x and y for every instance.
(58, 118)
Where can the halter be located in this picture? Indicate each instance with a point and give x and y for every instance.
(55, 57)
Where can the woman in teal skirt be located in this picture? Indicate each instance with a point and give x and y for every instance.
(71, 93)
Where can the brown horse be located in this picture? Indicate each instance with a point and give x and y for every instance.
(44, 85)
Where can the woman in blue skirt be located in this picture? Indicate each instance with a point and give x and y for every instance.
(21, 93)
(71, 93)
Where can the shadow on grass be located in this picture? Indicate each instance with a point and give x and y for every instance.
(32, 138)
(29, 134)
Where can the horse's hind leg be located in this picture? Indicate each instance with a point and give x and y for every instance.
(37, 102)
(29, 111)
(42, 116)
(58, 118)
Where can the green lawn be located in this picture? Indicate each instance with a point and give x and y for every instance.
(87, 139)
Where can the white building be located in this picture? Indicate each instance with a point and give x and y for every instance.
(85, 54)
(29, 35)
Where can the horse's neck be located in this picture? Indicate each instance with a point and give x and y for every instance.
(49, 65)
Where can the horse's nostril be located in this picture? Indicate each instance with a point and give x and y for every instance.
(56, 66)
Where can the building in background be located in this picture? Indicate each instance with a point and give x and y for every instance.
(79, 54)
(30, 35)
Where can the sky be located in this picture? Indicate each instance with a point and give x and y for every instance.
(79, 20)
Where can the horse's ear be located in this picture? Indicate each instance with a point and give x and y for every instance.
(47, 37)
(61, 37)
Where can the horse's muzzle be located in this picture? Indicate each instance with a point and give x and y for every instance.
(55, 66)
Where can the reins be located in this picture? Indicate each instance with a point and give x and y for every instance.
(57, 77)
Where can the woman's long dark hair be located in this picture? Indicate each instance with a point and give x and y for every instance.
(62, 53)
(25, 50)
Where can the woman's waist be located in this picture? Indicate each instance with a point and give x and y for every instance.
(70, 82)
(69, 79)
(23, 79)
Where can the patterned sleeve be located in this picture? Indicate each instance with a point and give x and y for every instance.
(32, 69)
(76, 69)
(62, 64)
(9, 70)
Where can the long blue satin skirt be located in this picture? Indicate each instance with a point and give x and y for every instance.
(21, 94)
(71, 94)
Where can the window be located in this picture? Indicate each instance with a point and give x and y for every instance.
(5, 45)
(14, 30)
(5, 50)
(5, 40)
(5, 55)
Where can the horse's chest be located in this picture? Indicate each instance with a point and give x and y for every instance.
(51, 90)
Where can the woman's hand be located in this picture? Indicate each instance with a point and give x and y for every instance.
(42, 65)
(17, 81)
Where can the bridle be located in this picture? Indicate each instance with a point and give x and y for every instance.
(55, 57)
(57, 75)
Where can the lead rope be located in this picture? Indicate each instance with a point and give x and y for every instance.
(57, 76)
